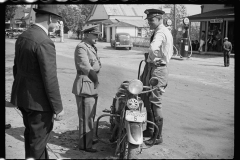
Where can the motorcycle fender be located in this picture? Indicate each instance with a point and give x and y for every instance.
(134, 132)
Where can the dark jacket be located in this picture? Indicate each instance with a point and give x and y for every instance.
(35, 83)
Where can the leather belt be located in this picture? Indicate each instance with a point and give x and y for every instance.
(157, 65)
(80, 72)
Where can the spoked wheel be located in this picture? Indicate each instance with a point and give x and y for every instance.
(124, 148)
(133, 151)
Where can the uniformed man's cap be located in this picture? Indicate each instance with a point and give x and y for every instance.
(153, 13)
(92, 30)
(226, 38)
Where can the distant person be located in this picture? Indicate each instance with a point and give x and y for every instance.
(210, 41)
(202, 41)
(35, 88)
(227, 48)
(85, 87)
(219, 40)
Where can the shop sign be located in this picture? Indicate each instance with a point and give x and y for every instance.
(18, 22)
(216, 20)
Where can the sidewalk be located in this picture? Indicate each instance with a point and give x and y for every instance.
(211, 53)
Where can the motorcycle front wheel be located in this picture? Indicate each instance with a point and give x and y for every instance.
(133, 150)
(124, 149)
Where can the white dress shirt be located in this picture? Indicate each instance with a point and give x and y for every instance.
(41, 26)
(161, 46)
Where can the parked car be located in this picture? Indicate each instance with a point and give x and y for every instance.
(122, 40)
(7, 32)
(57, 32)
(14, 33)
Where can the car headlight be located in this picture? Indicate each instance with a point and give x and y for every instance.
(135, 86)
(132, 104)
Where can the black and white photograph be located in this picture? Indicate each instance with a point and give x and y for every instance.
(119, 81)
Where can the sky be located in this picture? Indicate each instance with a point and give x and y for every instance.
(193, 9)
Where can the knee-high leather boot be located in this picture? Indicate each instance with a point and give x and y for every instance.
(149, 128)
(159, 123)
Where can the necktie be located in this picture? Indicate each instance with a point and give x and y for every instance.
(151, 39)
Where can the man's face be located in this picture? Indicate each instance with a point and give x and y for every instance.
(153, 22)
(92, 38)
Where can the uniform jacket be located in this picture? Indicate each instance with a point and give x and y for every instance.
(86, 59)
(35, 83)
(161, 45)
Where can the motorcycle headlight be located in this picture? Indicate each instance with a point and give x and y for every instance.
(132, 104)
(135, 86)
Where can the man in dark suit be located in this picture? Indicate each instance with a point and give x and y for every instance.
(35, 88)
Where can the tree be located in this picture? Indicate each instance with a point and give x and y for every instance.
(74, 16)
(10, 12)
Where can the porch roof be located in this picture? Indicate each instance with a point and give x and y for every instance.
(136, 23)
(120, 24)
(219, 13)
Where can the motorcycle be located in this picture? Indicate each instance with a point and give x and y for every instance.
(127, 118)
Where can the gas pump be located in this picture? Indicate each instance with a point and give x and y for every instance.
(61, 31)
(169, 26)
(184, 47)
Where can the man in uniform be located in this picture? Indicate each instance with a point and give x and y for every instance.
(35, 88)
(227, 48)
(85, 86)
(160, 52)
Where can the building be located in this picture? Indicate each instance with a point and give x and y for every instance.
(118, 18)
(212, 18)
(20, 19)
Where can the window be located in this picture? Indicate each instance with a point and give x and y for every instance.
(139, 34)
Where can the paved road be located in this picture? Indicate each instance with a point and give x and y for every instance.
(198, 103)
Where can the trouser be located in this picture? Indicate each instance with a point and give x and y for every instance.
(202, 42)
(153, 102)
(226, 57)
(86, 113)
(38, 125)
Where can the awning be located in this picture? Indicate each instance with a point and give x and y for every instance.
(120, 24)
(95, 21)
(219, 13)
(136, 23)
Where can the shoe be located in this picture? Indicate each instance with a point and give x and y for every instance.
(89, 150)
(94, 142)
(157, 141)
(7, 126)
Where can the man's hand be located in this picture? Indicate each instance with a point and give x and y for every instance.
(157, 61)
(59, 116)
(96, 85)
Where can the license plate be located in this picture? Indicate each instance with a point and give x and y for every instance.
(135, 116)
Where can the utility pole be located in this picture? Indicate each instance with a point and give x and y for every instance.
(174, 25)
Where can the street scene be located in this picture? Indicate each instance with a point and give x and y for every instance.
(198, 105)
(95, 81)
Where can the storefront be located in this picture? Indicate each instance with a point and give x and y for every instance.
(217, 24)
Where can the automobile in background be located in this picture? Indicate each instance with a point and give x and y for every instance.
(122, 40)
(14, 33)
(7, 32)
(57, 32)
